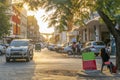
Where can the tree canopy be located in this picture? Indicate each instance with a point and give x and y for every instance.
(76, 11)
(4, 19)
(67, 12)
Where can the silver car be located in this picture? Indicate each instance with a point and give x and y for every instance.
(20, 49)
(68, 50)
(95, 46)
(51, 47)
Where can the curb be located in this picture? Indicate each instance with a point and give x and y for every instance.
(111, 57)
(98, 57)
(97, 74)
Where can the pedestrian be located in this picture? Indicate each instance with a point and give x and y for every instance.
(79, 48)
(105, 59)
(104, 55)
(108, 48)
(74, 48)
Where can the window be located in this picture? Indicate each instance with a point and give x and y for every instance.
(98, 43)
(19, 43)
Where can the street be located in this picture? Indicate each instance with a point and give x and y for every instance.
(60, 40)
(46, 65)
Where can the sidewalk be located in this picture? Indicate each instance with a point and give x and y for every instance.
(111, 57)
(97, 74)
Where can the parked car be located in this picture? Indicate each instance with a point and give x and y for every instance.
(43, 45)
(68, 50)
(51, 47)
(20, 49)
(2, 49)
(95, 46)
(60, 47)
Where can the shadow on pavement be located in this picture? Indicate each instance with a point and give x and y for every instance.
(97, 75)
(17, 70)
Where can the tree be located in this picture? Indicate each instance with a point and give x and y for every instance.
(4, 19)
(77, 11)
(109, 11)
(65, 14)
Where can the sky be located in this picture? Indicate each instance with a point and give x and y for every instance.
(43, 25)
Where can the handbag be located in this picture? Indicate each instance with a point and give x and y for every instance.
(114, 69)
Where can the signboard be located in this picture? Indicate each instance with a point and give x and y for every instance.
(88, 56)
(88, 60)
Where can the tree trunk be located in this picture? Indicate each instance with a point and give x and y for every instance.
(117, 40)
(115, 33)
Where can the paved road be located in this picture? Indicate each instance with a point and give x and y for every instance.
(46, 65)
(49, 65)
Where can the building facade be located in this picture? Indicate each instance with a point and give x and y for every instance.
(33, 29)
(94, 30)
(18, 20)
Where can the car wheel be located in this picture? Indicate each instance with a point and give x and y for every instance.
(7, 60)
(69, 52)
(31, 57)
(59, 51)
(28, 58)
(0, 53)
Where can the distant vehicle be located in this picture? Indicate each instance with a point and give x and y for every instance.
(86, 50)
(59, 47)
(51, 47)
(2, 49)
(38, 47)
(20, 49)
(43, 45)
(68, 50)
(95, 46)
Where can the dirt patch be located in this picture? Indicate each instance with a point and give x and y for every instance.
(59, 72)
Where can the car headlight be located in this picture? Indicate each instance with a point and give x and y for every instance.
(24, 50)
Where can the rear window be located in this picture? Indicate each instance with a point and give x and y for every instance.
(98, 43)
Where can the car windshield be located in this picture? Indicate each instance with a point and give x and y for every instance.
(98, 43)
(19, 43)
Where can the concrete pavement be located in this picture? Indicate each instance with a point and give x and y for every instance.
(48, 65)
(97, 74)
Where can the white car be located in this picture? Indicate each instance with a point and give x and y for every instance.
(68, 50)
(95, 46)
(20, 49)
